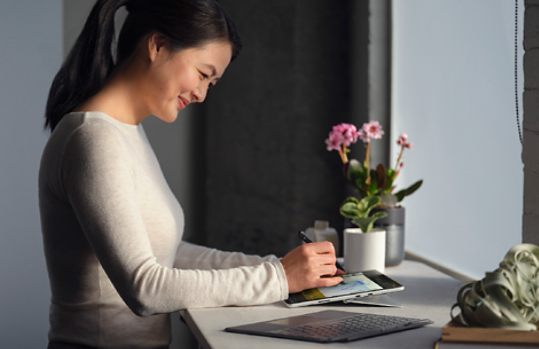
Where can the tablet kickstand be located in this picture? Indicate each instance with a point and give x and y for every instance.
(381, 301)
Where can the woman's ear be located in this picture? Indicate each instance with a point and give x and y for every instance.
(156, 46)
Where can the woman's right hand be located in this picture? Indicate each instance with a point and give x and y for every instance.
(311, 265)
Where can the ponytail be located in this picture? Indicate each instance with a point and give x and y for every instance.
(88, 64)
(183, 23)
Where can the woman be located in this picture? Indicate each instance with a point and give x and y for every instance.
(111, 226)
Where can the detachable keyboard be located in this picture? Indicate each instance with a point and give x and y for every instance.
(351, 326)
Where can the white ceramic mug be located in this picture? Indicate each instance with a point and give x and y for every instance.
(364, 251)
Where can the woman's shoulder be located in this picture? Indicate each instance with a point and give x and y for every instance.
(83, 142)
(92, 120)
(90, 127)
(83, 134)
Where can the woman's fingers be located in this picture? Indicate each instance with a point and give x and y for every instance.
(324, 252)
(322, 247)
(328, 282)
(340, 272)
(309, 266)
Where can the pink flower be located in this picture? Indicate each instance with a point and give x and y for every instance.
(335, 140)
(364, 136)
(402, 141)
(342, 134)
(373, 130)
(340, 128)
(350, 135)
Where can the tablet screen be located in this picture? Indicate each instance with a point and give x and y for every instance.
(352, 283)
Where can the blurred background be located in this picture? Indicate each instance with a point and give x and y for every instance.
(250, 166)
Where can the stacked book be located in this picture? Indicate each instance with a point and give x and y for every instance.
(455, 336)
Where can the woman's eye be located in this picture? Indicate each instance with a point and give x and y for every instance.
(204, 75)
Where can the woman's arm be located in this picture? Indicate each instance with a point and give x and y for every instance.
(191, 256)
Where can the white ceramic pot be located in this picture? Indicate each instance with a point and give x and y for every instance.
(364, 251)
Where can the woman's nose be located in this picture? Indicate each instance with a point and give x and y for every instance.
(199, 94)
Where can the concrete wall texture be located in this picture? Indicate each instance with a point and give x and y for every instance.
(268, 171)
(530, 221)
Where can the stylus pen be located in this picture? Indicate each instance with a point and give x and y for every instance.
(305, 238)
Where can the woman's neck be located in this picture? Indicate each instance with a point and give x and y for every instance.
(120, 98)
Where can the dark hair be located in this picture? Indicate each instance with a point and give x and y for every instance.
(183, 24)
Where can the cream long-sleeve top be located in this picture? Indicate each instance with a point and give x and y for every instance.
(112, 234)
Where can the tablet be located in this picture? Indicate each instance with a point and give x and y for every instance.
(354, 285)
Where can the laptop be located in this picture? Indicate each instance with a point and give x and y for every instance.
(331, 326)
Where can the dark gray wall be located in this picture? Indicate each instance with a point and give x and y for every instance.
(530, 217)
(268, 172)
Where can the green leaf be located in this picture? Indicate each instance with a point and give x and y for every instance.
(400, 195)
(357, 175)
(374, 175)
(389, 185)
(367, 204)
(391, 173)
(350, 207)
(350, 199)
(390, 178)
(362, 192)
(370, 202)
(379, 215)
(366, 223)
(354, 208)
(373, 189)
(408, 191)
(350, 210)
(354, 170)
(411, 189)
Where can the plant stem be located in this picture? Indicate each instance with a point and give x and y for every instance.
(366, 163)
(342, 153)
(398, 161)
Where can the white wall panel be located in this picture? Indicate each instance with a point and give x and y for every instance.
(453, 93)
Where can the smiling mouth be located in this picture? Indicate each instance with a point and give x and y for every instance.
(182, 102)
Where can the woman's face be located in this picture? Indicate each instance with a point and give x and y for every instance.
(180, 78)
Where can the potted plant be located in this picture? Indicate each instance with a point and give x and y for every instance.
(364, 247)
(378, 181)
